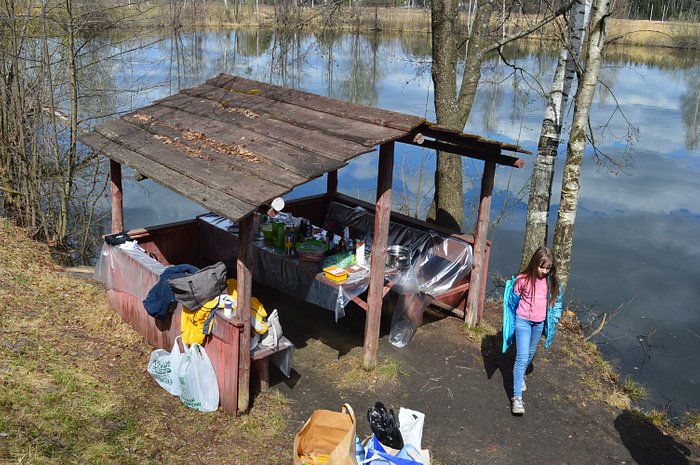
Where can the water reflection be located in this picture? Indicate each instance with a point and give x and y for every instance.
(634, 227)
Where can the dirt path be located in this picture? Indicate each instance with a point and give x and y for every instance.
(463, 387)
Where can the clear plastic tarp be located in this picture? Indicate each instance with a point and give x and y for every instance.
(128, 268)
(438, 264)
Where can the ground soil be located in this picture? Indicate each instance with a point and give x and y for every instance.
(90, 400)
(464, 387)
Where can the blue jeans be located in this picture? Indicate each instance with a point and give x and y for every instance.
(527, 336)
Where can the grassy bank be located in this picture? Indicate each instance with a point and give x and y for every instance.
(74, 386)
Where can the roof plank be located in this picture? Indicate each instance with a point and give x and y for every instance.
(467, 140)
(360, 132)
(259, 152)
(215, 200)
(192, 161)
(303, 138)
(347, 110)
(234, 158)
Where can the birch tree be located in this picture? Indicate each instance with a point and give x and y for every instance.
(536, 230)
(571, 181)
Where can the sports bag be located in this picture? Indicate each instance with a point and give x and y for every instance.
(198, 288)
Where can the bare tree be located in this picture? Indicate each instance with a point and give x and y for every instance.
(43, 60)
(536, 229)
(452, 104)
(564, 231)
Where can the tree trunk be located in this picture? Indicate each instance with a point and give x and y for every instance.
(452, 109)
(537, 227)
(564, 231)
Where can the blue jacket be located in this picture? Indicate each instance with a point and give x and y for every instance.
(510, 305)
(161, 296)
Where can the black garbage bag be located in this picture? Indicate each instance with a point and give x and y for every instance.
(384, 426)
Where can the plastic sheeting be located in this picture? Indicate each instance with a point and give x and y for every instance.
(438, 264)
(127, 268)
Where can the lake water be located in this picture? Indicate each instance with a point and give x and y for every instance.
(638, 225)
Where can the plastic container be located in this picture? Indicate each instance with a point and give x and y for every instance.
(335, 273)
(310, 251)
(278, 233)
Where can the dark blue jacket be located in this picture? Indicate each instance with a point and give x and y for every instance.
(161, 296)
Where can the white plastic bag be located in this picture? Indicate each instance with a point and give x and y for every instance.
(198, 380)
(274, 331)
(411, 426)
(164, 367)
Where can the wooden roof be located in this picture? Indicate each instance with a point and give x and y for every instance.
(233, 144)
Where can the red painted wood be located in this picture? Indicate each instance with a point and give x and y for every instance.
(223, 352)
(115, 170)
(244, 268)
(480, 266)
(222, 346)
(379, 245)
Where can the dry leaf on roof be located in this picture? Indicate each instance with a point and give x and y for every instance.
(141, 118)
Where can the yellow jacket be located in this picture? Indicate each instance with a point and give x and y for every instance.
(192, 321)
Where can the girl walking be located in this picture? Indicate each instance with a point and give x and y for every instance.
(531, 308)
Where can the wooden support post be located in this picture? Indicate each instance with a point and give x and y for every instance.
(115, 172)
(382, 217)
(479, 266)
(331, 184)
(244, 269)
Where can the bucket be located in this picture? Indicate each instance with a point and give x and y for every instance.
(398, 256)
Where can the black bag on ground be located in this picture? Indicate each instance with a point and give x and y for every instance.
(384, 426)
(198, 288)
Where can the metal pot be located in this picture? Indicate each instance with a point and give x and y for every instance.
(398, 256)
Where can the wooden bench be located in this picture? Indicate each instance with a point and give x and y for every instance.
(260, 363)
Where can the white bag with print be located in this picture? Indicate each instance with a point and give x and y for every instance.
(164, 367)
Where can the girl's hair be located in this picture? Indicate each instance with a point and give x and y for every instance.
(542, 257)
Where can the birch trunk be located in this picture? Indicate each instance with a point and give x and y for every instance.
(564, 231)
(537, 226)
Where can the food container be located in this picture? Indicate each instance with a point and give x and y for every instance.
(311, 251)
(398, 256)
(278, 233)
(267, 231)
(335, 273)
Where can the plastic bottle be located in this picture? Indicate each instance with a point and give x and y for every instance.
(359, 451)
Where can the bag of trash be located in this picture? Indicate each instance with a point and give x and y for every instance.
(384, 426)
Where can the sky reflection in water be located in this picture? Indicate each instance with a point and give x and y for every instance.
(637, 226)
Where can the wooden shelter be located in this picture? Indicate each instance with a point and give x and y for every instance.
(233, 145)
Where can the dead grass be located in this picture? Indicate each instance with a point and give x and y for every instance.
(349, 373)
(74, 388)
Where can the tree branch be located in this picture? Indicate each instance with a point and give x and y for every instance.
(500, 43)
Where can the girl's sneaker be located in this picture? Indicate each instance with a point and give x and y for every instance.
(517, 406)
(524, 385)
